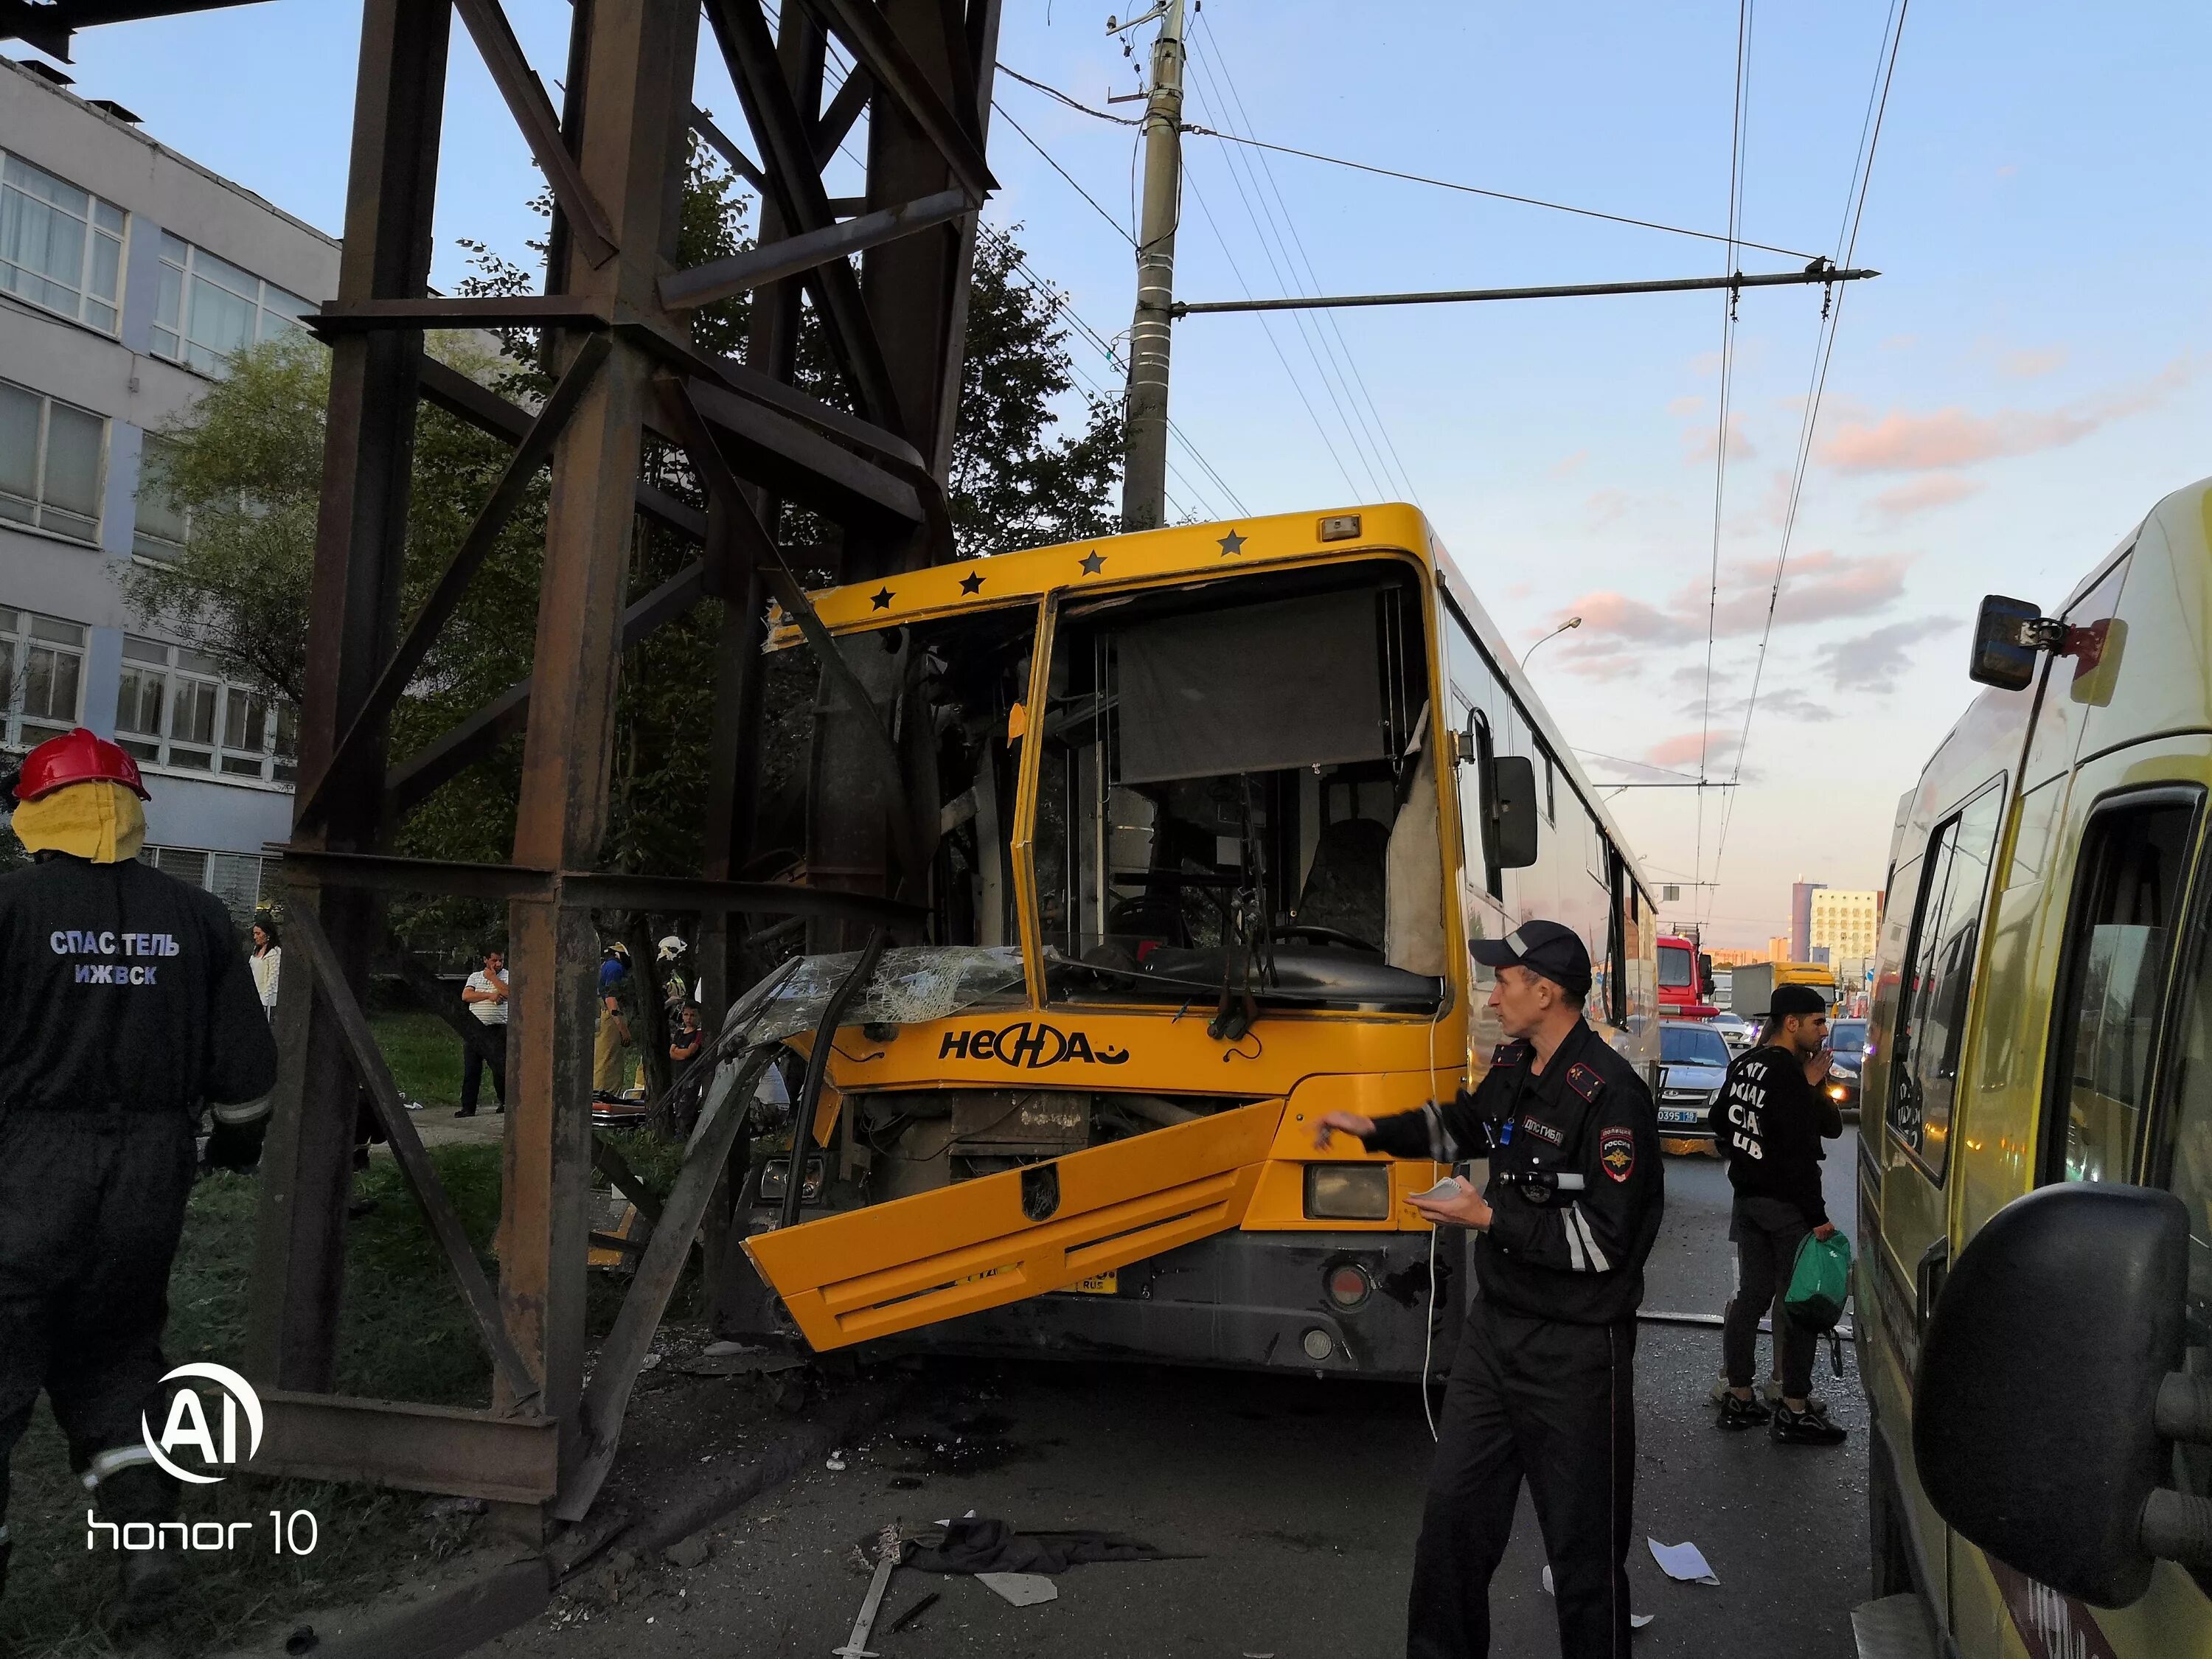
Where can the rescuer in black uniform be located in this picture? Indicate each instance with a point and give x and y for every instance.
(125, 1004)
(1543, 1386)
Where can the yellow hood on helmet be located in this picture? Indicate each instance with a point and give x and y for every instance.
(100, 821)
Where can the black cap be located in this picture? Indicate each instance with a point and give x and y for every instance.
(1548, 948)
(1789, 1000)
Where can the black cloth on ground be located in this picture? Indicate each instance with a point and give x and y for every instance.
(978, 1544)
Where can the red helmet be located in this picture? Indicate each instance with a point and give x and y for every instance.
(77, 756)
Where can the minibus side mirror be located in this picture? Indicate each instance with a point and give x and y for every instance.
(1513, 807)
(2046, 1393)
(2008, 635)
(1705, 986)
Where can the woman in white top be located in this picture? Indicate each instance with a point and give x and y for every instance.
(268, 958)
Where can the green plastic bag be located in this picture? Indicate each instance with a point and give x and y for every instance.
(1820, 1283)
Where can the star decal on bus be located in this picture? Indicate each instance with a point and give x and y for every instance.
(1232, 543)
(971, 583)
(1093, 562)
(881, 599)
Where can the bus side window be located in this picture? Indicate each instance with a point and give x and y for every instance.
(2183, 1167)
(1939, 976)
(2113, 977)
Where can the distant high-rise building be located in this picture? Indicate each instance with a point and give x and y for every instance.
(1845, 919)
(1800, 919)
(1777, 949)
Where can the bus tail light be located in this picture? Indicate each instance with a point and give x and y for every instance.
(1347, 1192)
(1348, 1284)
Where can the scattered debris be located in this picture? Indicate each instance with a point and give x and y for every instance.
(304, 1639)
(1685, 1562)
(738, 1359)
(687, 1552)
(980, 1546)
(836, 1461)
(1023, 1589)
(888, 1550)
(914, 1613)
(651, 1362)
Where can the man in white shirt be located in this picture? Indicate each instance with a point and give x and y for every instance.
(486, 996)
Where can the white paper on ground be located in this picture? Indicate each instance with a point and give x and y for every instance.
(1024, 1589)
(1684, 1561)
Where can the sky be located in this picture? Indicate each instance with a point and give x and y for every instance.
(2030, 373)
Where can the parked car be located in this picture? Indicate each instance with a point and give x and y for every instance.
(1694, 1062)
(1846, 1058)
(1736, 1030)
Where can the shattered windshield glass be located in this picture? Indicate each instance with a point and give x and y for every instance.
(911, 985)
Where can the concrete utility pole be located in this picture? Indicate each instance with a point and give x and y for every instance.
(1144, 437)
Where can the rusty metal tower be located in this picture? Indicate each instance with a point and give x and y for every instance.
(615, 319)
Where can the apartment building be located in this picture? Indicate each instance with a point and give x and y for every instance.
(128, 273)
(1845, 922)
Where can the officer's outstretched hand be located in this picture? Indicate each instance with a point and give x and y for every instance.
(1351, 1122)
(1465, 1208)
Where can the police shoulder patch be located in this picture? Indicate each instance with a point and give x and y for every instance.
(1616, 1152)
(1585, 1082)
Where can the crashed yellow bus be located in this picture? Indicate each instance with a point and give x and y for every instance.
(1217, 809)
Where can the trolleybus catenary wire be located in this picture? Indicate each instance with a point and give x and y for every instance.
(1824, 350)
(1212, 64)
(1738, 137)
(1411, 178)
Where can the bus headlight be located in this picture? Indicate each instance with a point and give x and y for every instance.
(1347, 1192)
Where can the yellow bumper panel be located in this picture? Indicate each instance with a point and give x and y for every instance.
(936, 1256)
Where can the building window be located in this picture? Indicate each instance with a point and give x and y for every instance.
(236, 878)
(50, 457)
(209, 309)
(60, 248)
(172, 708)
(41, 676)
(162, 525)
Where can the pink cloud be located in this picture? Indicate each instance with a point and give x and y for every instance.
(1681, 409)
(1698, 443)
(1568, 466)
(1924, 495)
(1954, 436)
(1684, 748)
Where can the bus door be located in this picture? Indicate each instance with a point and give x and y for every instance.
(1000, 1238)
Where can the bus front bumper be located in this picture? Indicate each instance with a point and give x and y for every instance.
(1247, 1301)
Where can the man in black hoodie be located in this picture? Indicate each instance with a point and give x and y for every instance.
(1769, 1122)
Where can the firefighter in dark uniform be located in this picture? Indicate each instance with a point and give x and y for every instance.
(126, 1003)
(1543, 1386)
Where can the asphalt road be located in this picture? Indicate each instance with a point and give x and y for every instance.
(1294, 1503)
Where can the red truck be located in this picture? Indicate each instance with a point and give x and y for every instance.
(1686, 979)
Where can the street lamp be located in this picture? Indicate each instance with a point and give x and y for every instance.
(1572, 622)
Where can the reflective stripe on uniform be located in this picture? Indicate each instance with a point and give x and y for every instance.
(1582, 1243)
(246, 1111)
(116, 1459)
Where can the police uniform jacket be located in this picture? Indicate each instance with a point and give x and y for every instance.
(1569, 1250)
(124, 990)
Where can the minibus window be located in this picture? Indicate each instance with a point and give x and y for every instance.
(1946, 941)
(2127, 896)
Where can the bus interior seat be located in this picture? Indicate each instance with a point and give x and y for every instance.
(1344, 886)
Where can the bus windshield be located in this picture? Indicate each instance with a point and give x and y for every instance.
(1238, 795)
(1676, 972)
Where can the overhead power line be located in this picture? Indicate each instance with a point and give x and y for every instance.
(1820, 272)
(1415, 177)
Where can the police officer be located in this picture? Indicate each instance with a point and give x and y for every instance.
(125, 1004)
(1543, 1387)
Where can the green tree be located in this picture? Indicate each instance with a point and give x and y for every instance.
(246, 463)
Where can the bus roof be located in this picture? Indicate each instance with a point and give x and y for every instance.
(1147, 557)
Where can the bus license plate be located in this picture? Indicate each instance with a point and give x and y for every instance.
(1106, 1284)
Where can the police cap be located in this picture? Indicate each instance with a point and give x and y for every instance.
(1548, 948)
